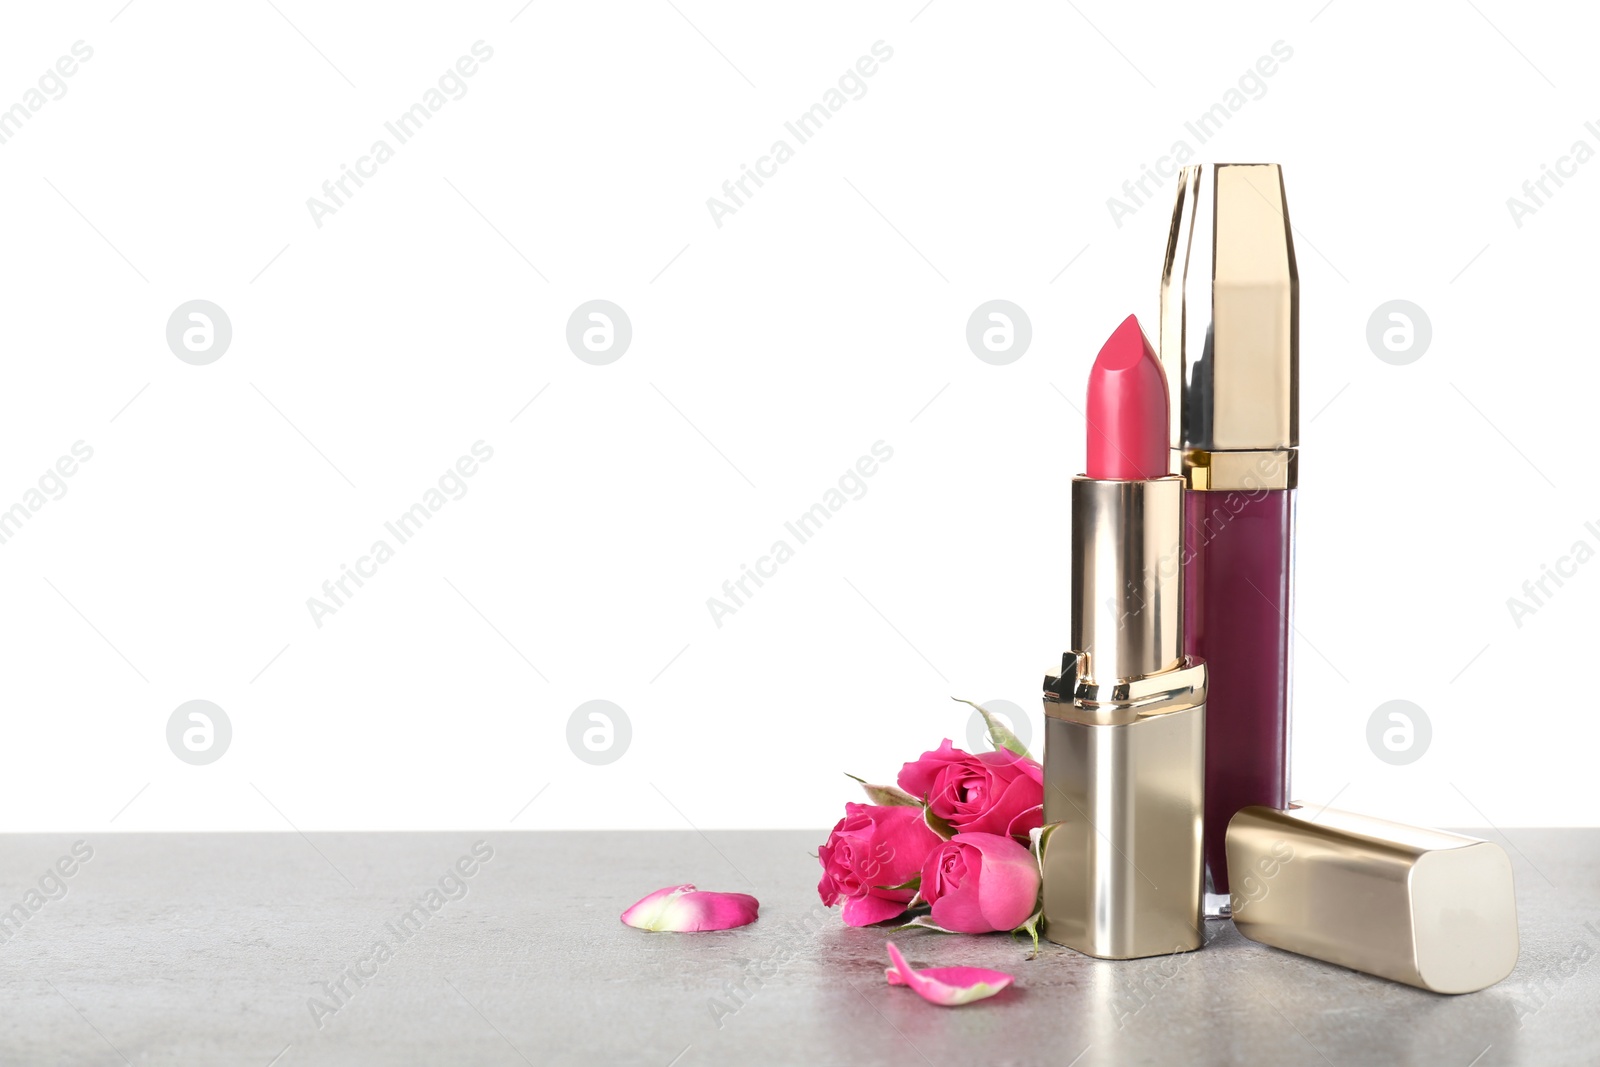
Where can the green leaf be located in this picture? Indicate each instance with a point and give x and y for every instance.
(1036, 844)
(999, 736)
(938, 825)
(922, 922)
(914, 882)
(889, 795)
(1032, 928)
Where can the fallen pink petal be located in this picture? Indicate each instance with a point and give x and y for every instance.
(684, 909)
(948, 987)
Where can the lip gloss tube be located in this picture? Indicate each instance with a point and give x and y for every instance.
(1230, 347)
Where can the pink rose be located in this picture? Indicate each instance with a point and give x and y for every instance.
(991, 793)
(873, 850)
(979, 883)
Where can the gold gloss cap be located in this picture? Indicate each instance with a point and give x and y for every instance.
(1230, 327)
(1429, 908)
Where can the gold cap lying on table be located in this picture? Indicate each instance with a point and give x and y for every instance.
(1429, 908)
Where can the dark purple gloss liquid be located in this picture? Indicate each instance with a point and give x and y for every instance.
(1236, 613)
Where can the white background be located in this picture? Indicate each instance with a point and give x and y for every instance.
(768, 354)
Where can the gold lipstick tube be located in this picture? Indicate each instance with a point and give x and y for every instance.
(1125, 735)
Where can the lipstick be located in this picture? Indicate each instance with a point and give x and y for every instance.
(1127, 409)
(1230, 321)
(1125, 718)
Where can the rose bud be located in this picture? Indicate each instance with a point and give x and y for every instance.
(990, 793)
(979, 883)
(868, 859)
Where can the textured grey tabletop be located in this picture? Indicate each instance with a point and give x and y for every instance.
(216, 949)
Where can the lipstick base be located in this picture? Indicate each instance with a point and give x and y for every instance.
(1123, 807)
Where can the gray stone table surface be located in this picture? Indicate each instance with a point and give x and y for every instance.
(219, 949)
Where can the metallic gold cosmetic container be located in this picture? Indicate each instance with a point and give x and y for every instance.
(1425, 907)
(1125, 735)
(1230, 325)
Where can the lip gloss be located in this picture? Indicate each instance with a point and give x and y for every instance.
(1125, 718)
(1230, 346)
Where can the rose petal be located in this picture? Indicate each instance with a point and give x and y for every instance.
(917, 776)
(958, 976)
(1032, 768)
(682, 909)
(1011, 881)
(959, 908)
(864, 911)
(948, 987)
(1026, 822)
